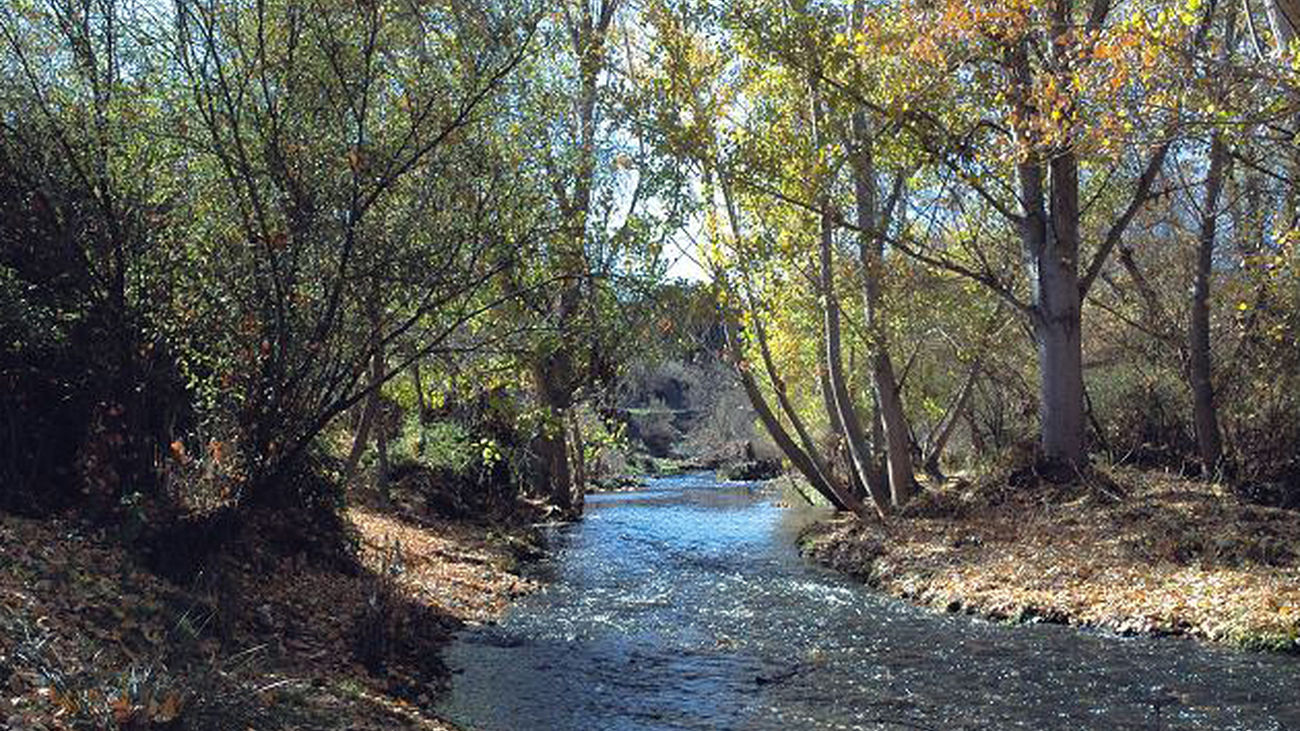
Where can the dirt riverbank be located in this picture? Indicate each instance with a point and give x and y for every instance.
(1133, 552)
(89, 638)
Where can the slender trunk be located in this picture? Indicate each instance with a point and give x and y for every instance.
(555, 375)
(837, 497)
(418, 384)
(976, 439)
(579, 463)
(832, 414)
(1284, 16)
(381, 432)
(1289, 217)
(783, 400)
(871, 252)
(1151, 309)
(841, 458)
(878, 456)
(898, 452)
(361, 438)
(859, 450)
(370, 410)
(949, 421)
(1209, 441)
(810, 448)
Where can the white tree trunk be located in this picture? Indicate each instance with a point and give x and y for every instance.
(1284, 16)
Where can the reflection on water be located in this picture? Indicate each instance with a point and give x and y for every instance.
(686, 606)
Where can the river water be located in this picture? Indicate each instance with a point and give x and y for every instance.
(685, 605)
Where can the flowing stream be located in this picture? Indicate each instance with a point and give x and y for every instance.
(685, 605)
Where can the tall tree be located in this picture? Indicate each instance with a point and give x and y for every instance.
(1200, 367)
(874, 217)
(1040, 56)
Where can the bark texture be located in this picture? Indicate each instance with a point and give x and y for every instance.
(859, 449)
(895, 430)
(855, 437)
(1050, 239)
(1284, 16)
(1209, 441)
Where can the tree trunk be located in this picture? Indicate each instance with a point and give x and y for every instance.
(1056, 320)
(1284, 16)
(1209, 441)
(871, 253)
(552, 470)
(837, 497)
(381, 432)
(898, 453)
(555, 375)
(841, 458)
(976, 439)
(1052, 249)
(370, 411)
(783, 399)
(579, 493)
(809, 446)
(859, 450)
(418, 384)
(949, 421)
(1060, 358)
(360, 439)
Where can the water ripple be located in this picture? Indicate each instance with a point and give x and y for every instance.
(685, 606)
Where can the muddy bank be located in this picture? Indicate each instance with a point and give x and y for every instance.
(1133, 552)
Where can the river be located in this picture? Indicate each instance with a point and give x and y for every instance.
(685, 605)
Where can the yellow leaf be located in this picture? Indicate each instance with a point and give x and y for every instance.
(169, 710)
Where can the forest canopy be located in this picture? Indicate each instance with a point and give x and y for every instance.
(240, 240)
(316, 314)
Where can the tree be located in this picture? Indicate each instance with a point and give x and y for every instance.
(89, 387)
(1038, 102)
(329, 143)
(1200, 369)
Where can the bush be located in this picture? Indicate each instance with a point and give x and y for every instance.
(441, 444)
(1146, 416)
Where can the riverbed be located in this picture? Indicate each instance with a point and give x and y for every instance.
(685, 605)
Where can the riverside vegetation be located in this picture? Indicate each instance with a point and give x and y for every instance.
(311, 311)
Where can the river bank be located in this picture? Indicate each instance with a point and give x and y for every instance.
(90, 638)
(685, 605)
(1134, 552)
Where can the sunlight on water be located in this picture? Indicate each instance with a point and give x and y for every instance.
(686, 606)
